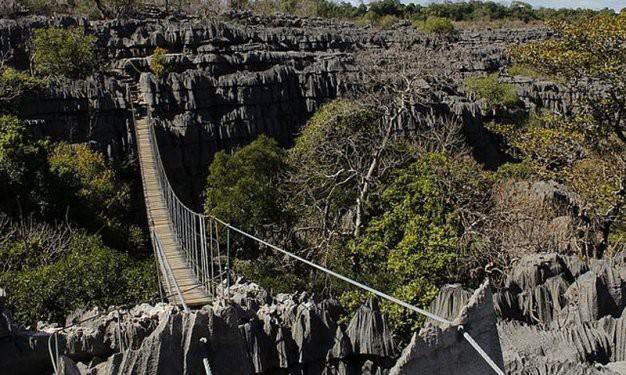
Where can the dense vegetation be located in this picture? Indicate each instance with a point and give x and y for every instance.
(65, 52)
(65, 229)
(69, 236)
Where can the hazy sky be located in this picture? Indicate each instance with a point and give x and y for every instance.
(593, 4)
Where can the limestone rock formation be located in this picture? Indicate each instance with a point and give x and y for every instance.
(562, 315)
(21, 351)
(443, 350)
(287, 333)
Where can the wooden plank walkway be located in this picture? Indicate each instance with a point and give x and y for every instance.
(193, 293)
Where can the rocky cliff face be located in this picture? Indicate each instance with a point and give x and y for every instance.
(237, 77)
(562, 315)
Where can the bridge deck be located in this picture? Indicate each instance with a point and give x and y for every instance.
(193, 293)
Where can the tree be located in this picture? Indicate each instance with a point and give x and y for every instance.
(64, 52)
(23, 168)
(87, 191)
(590, 57)
(568, 150)
(13, 86)
(342, 154)
(89, 274)
(242, 188)
(386, 7)
(414, 244)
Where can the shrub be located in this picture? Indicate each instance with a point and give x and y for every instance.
(548, 140)
(26, 243)
(64, 52)
(158, 64)
(89, 275)
(524, 71)
(387, 21)
(590, 56)
(492, 91)
(438, 25)
(88, 191)
(23, 167)
(13, 85)
(242, 188)
(44, 7)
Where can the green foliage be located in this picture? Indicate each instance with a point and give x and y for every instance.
(332, 150)
(23, 167)
(267, 271)
(386, 7)
(568, 150)
(524, 170)
(69, 181)
(411, 247)
(437, 25)
(549, 140)
(524, 71)
(242, 187)
(64, 52)
(590, 54)
(28, 244)
(492, 91)
(88, 191)
(45, 7)
(342, 10)
(13, 85)
(597, 178)
(158, 65)
(462, 11)
(90, 274)
(387, 21)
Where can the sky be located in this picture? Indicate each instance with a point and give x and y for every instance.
(592, 4)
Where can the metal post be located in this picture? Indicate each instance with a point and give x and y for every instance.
(219, 253)
(202, 251)
(211, 238)
(228, 261)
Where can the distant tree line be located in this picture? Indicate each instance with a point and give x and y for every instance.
(469, 11)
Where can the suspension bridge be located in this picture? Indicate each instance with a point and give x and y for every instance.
(193, 250)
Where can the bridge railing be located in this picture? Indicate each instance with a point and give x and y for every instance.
(203, 240)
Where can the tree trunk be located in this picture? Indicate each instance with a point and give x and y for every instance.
(358, 222)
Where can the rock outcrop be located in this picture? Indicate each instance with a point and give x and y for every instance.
(288, 333)
(441, 349)
(562, 315)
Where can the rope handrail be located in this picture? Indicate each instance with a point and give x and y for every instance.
(184, 218)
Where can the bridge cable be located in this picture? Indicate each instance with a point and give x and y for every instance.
(172, 201)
